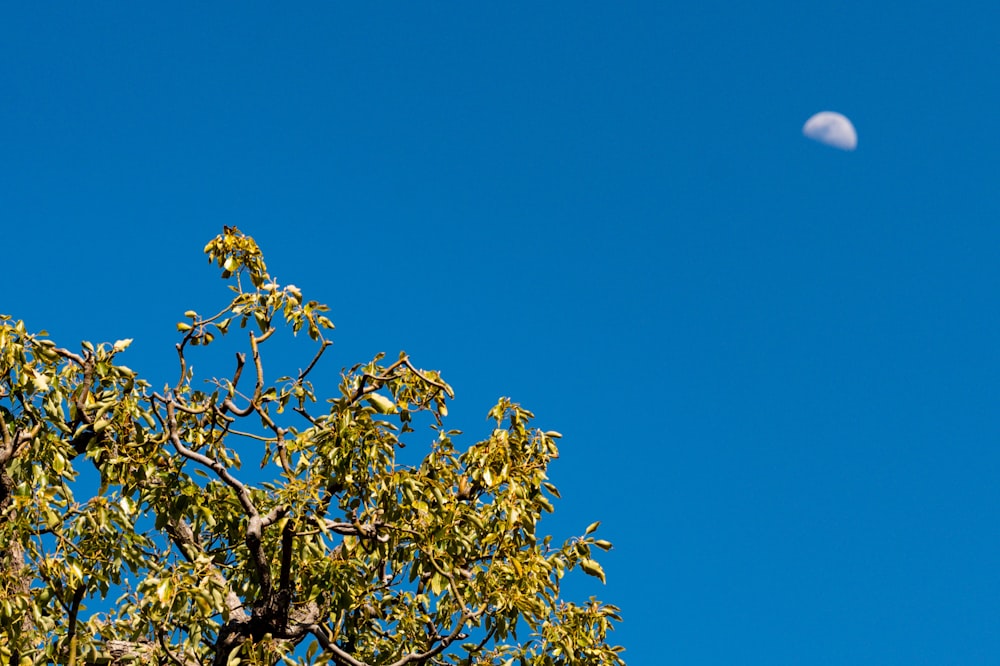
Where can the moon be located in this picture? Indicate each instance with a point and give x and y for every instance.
(833, 129)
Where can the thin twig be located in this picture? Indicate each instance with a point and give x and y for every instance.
(65, 353)
(170, 655)
(332, 648)
(306, 415)
(322, 348)
(241, 359)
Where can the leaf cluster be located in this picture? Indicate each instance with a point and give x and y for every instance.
(329, 551)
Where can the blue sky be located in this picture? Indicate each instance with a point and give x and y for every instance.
(774, 363)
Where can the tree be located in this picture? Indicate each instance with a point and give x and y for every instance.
(333, 552)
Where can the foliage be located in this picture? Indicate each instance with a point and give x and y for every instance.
(334, 552)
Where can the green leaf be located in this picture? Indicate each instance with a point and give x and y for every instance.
(58, 463)
(592, 568)
(382, 404)
(438, 583)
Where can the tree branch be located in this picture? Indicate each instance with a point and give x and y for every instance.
(331, 647)
(287, 542)
(166, 650)
(74, 609)
(254, 524)
(241, 359)
(322, 348)
(183, 536)
(8, 442)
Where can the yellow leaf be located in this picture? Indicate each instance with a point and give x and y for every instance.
(40, 381)
(58, 463)
(381, 403)
(592, 568)
(163, 590)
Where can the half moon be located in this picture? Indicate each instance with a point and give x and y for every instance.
(833, 129)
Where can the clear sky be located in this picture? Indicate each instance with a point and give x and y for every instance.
(774, 363)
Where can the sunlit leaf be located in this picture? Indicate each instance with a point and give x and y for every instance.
(592, 568)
